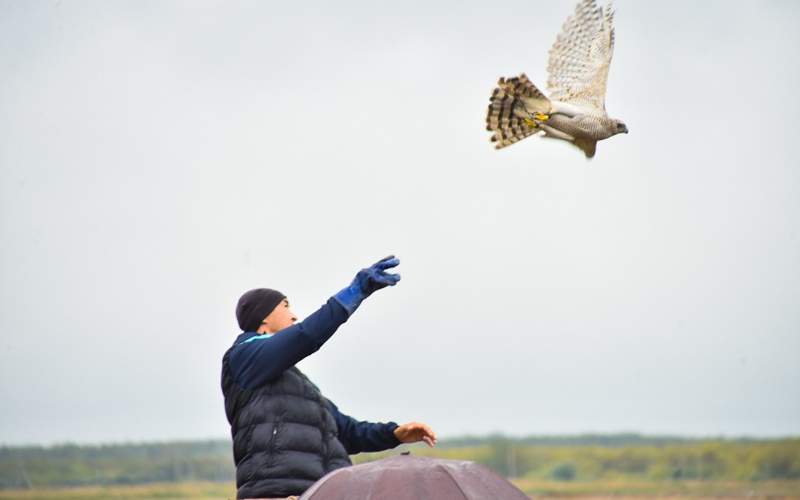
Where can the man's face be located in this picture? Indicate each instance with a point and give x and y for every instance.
(281, 317)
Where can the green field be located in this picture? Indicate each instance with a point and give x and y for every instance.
(539, 489)
(588, 467)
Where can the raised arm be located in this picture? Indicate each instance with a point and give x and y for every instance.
(262, 358)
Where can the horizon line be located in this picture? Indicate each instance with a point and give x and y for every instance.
(442, 440)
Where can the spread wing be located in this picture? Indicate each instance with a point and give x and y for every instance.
(581, 56)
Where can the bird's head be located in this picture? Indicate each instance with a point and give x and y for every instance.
(621, 127)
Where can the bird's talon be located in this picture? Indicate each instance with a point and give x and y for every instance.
(541, 117)
(531, 123)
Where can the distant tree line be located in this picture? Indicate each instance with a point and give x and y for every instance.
(570, 458)
(73, 465)
(662, 460)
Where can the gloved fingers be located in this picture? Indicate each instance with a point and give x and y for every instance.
(387, 278)
(387, 263)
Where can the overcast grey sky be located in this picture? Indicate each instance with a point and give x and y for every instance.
(157, 159)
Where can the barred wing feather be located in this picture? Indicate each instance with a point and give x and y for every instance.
(580, 57)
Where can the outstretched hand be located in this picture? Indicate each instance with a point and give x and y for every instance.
(414, 432)
(375, 277)
(367, 281)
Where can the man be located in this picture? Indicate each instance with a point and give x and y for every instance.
(286, 434)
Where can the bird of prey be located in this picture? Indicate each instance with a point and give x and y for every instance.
(575, 110)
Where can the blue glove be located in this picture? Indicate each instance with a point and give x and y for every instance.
(368, 281)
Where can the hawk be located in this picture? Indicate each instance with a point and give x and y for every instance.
(575, 110)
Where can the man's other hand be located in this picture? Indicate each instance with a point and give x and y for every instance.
(414, 432)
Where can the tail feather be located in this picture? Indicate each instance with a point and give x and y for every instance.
(512, 101)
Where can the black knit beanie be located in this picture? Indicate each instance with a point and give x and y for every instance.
(256, 305)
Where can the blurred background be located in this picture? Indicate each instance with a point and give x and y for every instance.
(158, 159)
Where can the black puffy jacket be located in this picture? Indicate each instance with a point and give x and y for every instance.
(284, 435)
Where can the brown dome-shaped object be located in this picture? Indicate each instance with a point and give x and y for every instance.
(407, 477)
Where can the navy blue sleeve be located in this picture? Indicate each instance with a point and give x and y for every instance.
(262, 358)
(358, 436)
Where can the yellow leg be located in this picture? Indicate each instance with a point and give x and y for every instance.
(541, 117)
(531, 123)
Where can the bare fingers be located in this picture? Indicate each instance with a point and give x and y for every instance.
(427, 434)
